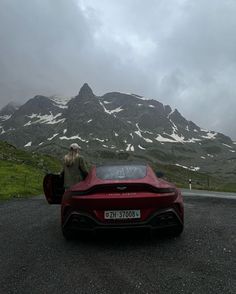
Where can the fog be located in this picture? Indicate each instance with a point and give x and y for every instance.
(180, 52)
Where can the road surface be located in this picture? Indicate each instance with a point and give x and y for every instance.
(34, 257)
(211, 194)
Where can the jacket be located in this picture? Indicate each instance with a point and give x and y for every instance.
(76, 172)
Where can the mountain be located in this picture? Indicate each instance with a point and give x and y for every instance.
(7, 111)
(118, 125)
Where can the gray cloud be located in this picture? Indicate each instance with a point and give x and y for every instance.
(181, 52)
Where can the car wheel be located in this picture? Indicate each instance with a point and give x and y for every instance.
(176, 231)
(68, 234)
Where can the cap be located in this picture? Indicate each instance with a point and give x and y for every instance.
(74, 146)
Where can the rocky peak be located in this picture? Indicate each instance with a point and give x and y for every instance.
(167, 109)
(9, 109)
(178, 118)
(38, 104)
(113, 123)
(85, 92)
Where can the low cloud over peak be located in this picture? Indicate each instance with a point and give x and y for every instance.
(179, 52)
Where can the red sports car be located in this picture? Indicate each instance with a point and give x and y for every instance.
(117, 196)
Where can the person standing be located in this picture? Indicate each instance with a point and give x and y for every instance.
(75, 167)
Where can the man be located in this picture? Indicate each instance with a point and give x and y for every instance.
(75, 167)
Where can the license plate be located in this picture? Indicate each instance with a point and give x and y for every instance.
(122, 214)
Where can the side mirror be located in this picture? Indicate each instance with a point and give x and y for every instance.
(159, 174)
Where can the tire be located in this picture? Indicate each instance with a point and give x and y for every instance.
(68, 234)
(176, 231)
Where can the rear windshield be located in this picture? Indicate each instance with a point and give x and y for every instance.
(121, 172)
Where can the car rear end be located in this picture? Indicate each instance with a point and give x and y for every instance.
(112, 201)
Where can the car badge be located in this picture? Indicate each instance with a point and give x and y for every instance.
(121, 188)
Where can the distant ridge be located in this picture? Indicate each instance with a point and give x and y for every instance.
(114, 124)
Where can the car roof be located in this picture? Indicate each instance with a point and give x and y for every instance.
(112, 163)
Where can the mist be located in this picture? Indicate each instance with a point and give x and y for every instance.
(180, 52)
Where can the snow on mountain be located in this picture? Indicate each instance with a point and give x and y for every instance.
(114, 122)
(140, 97)
(44, 119)
(192, 168)
(118, 109)
(60, 102)
(5, 117)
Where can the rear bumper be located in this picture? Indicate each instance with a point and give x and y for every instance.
(165, 218)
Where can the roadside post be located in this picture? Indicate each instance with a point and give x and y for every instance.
(190, 184)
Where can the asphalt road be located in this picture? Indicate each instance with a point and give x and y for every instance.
(34, 257)
(211, 194)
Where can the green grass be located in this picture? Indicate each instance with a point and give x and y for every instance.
(17, 180)
(22, 173)
(200, 181)
(226, 187)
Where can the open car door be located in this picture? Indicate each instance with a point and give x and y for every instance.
(53, 186)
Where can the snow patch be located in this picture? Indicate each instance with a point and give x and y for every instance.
(175, 138)
(172, 111)
(73, 138)
(49, 139)
(2, 130)
(49, 119)
(5, 117)
(192, 168)
(89, 120)
(209, 135)
(130, 147)
(28, 144)
(140, 147)
(160, 138)
(60, 102)
(148, 140)
(203, 157)
(151, 106)
(100, 140)
(139, 97)
(139, 133)
(118, 109)
(227, 145)
(145, 139)
(64, 131)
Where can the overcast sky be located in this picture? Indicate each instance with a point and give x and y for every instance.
(180, 52)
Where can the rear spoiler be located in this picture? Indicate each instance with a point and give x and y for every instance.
(103, 187)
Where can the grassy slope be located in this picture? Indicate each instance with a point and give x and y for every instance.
(175, 174)
(21, 172)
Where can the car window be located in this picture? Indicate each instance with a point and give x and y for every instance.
(121, 172)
